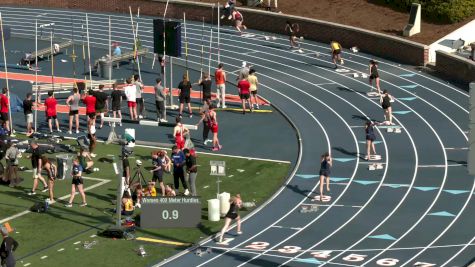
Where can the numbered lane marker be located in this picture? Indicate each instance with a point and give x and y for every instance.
(324, 199)
(387, 262)
(258, 245)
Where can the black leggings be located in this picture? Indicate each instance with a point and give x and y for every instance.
(160, 109)
(179, 175)
(205, 130)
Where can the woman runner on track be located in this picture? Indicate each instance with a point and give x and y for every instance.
(374, 75)
(292, 29)
(233, 214)
(213, 126)
(325, 166)
(370, 137)
(336, 53)
(238, 21)
(386, 100)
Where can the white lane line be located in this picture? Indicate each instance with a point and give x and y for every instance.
(441, 165)
(284, 227)
(456, 148)
(44, 257)
(61, 249)
(458, 252)
(77, 242)
(103, 181)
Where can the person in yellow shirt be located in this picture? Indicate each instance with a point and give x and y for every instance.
(336, 53)
(127, 204)
(150, 191)
(252, 79)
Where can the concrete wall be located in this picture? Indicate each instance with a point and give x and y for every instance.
(382, 45)
(455, 68)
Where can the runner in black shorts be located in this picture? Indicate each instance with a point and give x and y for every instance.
(233, 214)
(386, 100)
(374, 75)
(325, 165)
(50, 168)
(4, 116)
(370, 137)
(159, 160)
(77, 182)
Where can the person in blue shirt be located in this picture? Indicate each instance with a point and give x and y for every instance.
(179, 161)
(77, 182)
(116, 52)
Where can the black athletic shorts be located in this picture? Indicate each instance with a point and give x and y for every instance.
(116, 107)
(372, 77)
(91, 115)
(385, 107)
(244, 96)
(51, 117)
(77, 181)
(370, 137)
(157, 177)
(324, 173)
(336, 52)
(73, 112)
(206, 96)
(184, 99)
(231, 216)
(4, 116)
(254, 92)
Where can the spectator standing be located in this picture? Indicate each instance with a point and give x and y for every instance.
(160, 98)
(8, 246)
(244, 93)
(36, 164)
(77, 182)
(252, 79)
(11, 156)
(205, 84)
(184, 97)
(101, 104)
(4, 108)
(178, 160)
(51, 170)
(243, 72)
(116, 52)
(90, 101)
(73, 103)
(131, 94)
(158, 169)
(191, 170)
(204, 113)
(138, 95)
(51, 114)
(28, 111)
(116, 98)
(220, 79)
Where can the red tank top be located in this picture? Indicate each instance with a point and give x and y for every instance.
(219, 77)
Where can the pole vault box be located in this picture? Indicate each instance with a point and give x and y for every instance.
(7, 33)
(171, 30)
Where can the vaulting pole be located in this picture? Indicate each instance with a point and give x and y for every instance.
(6, 74)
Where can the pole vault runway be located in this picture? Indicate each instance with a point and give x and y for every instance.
(415, 211)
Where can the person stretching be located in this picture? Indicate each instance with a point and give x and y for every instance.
(233, 214)
(336, 53)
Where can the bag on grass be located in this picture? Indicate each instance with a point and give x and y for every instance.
(38, 207)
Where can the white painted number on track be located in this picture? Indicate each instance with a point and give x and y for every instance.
(354, 257)
(290, 249)
(321, 254)
(387, 262)
(423, 264)
(258, 245)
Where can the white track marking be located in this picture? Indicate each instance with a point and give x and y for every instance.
(102, 182)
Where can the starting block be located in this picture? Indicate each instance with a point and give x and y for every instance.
(201, 253)
(372, 94)
(306, 208)
(355, 75)
(324, 199)
(394, 130)
(375, 157)
(375, 166)
(354, 49)
(364, 76)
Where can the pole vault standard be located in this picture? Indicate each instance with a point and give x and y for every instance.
(88, 50)
(219, 24)
(52, 57)
(110, 48)
(202, 52)
(186, 47)
(165, 62)
(36, 72)
(135, 29)
(210, 43)
(6, 75)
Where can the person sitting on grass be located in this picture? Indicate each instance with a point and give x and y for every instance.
(85, 160)
(77, 182)
(137, 196)
(3, 129)
(150, 191)
(169, 192)
(127, 204)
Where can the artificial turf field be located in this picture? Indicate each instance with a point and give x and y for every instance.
(56, 238)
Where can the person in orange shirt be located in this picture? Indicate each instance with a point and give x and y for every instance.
(220, 79)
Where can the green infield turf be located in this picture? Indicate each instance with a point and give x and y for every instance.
(56, 238)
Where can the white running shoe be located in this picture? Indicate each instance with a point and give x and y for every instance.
(225, 106)
(83, 205)
(70, 132)
(164, 120)
(187, 192)
(77, 131)
(93, 155)
(140, 117)
(59, 130)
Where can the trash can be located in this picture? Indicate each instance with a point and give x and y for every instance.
(224, 203)
(64, 165)
(213, 210)
(104, 69)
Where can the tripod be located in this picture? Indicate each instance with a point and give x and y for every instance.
(138, 177)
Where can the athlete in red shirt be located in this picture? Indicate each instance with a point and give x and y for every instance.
(243, 87)
(50, 104)
(4, 108)
(90, 101)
